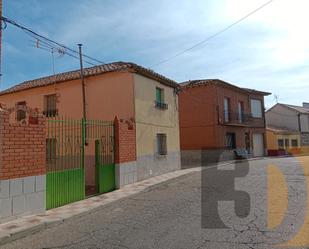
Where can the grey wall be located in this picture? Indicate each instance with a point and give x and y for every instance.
(280, 116)
(153, 165)
(193, 158)
(22, 196)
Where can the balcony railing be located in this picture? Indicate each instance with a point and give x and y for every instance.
(236, 118)
(161, 105)
(50, 113)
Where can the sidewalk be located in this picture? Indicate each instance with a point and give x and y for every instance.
(21, 227)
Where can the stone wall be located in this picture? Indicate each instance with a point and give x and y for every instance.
(22, 164)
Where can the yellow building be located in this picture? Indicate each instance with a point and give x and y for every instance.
(283, 139)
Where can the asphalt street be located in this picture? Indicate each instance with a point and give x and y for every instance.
(266, 207)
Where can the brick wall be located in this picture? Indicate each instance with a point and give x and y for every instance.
(125, 141)
(22, 147)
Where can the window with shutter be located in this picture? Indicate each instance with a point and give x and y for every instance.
(162, 144)
(50, 105)
(256, 108)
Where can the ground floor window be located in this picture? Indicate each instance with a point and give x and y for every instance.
(287, 143)
(162, 143)
(21, 113)
(294, 142)
(231, 140)
(280, 143)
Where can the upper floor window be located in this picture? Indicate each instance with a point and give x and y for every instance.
(20, 111)
(159, 102)
(240, 111)
(50, 105)
(226, 109)
(256, 108)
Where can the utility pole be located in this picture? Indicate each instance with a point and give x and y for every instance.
(83, 94)
(83, 80)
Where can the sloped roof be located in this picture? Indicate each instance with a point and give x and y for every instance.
(91, 71)
(218, 82)
(299, 109)
(281, 130)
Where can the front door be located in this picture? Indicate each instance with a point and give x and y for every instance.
(258, 145)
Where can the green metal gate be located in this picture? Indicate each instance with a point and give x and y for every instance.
(102, 134)
(65, 161)
(65, 157)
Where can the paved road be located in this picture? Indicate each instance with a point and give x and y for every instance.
(170, 215)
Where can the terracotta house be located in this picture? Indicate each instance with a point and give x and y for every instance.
(216, 118)
(134, 94)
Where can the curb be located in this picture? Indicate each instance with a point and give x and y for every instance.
(6, 238)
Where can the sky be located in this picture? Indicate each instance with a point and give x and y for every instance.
(269, 51)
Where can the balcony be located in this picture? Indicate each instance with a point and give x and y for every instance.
(160, 105)
(234, 118)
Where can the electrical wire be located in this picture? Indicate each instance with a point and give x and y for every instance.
(47, 40)
(211, 36)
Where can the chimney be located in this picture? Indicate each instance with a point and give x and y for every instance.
(306, 105)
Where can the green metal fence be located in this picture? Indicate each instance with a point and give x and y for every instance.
(65, 156)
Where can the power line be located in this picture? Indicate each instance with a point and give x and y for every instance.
(48, 41)
(212, 36)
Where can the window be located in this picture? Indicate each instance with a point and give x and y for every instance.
(240, 111)
(159, 102)
(231, 140)
(280, 143)
(256, 108)
(51, 146)
(50, 105)
(287, 143)
(20, 110)
(226, 109)
(161, 144)
(294, 142)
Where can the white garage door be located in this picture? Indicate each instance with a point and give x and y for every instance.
(258, 145)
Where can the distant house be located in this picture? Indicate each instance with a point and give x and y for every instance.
(291, 120)
(219, 120)
(281, 141)
(133, 93)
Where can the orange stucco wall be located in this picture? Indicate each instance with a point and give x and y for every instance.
(107, 95)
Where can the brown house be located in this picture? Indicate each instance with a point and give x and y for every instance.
(219, 121)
